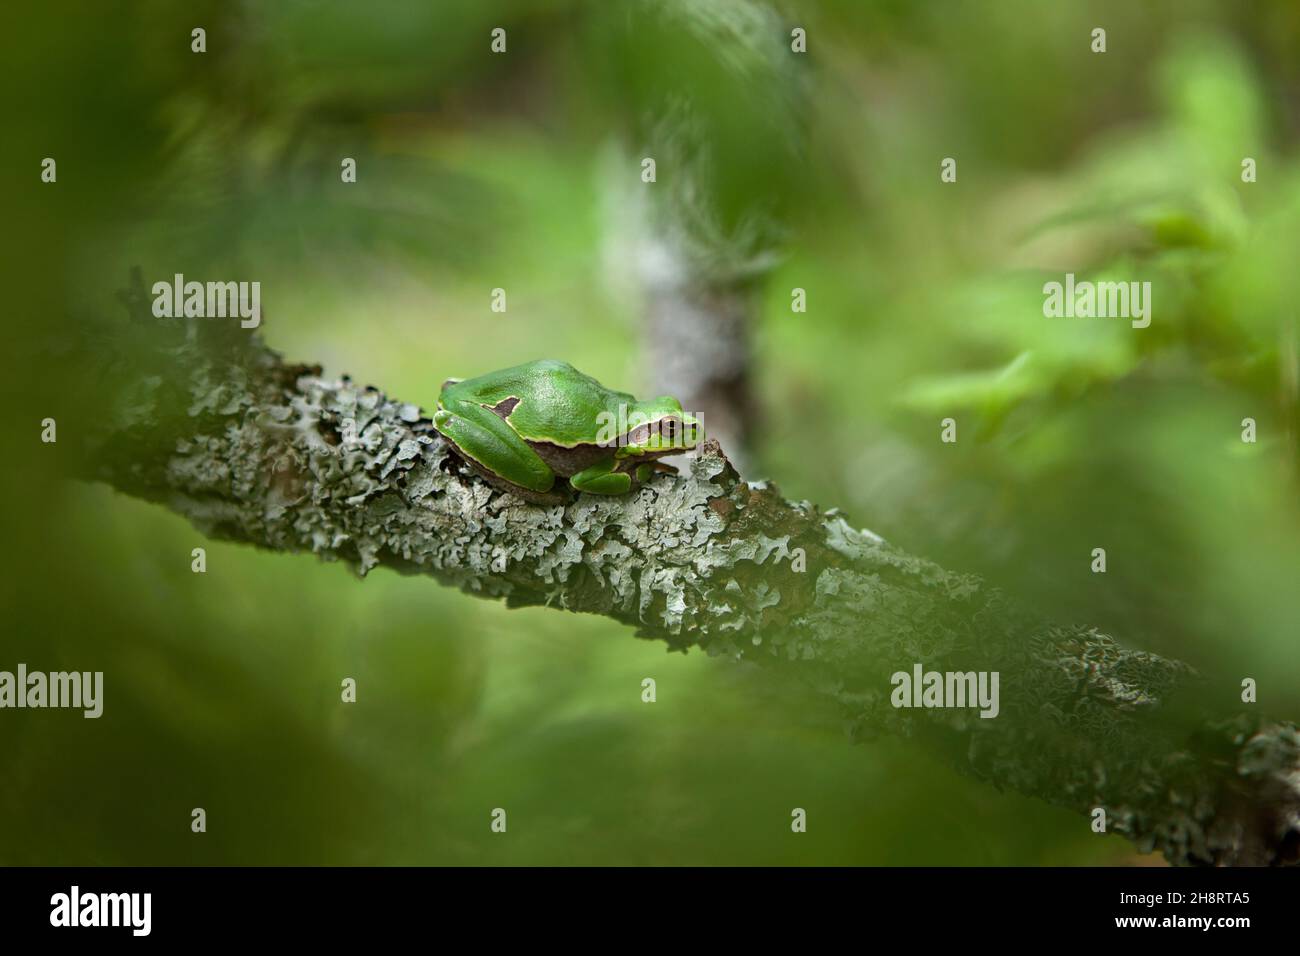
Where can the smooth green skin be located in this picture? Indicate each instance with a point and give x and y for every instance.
(559, 406)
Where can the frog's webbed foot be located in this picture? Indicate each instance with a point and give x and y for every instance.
(602, 478)
(617, 477)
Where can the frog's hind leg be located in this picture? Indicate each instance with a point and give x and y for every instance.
(558, 495)
(483, 436)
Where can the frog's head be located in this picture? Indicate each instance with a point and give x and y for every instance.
(662, 428)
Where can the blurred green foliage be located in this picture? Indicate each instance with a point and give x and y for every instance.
(478, 171)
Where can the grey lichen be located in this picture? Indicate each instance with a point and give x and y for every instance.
(278, 456)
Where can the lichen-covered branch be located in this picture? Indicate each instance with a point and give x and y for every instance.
(210, 423)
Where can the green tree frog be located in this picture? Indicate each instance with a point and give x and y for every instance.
(522, 427)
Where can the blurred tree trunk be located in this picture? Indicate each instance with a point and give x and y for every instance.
(723, 119)
(695, 326)
(697, 345)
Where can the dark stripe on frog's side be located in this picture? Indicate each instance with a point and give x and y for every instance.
(504, 407)
(566, 462)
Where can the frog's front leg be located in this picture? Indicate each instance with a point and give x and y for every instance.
(484, 436)
(606, 478)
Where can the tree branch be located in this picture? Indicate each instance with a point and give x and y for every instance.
(213, 425)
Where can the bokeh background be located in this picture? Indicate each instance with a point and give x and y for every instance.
(478, 171)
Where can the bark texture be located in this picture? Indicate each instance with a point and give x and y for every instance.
(210, 423)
